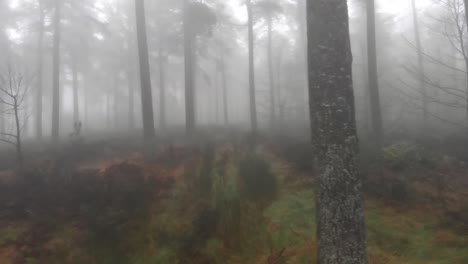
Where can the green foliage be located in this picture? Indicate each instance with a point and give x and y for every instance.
(384, 237)
(258, 182)
(406, 155)
(292, 219)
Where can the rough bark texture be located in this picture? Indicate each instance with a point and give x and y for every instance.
(340, 214)
(466, 60)
(374, 92)
(253, 104)
(145, 77)
(56, 75)
(422, 84)
(40, 48)
(189, 72)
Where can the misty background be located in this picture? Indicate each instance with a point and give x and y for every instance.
(423, 82)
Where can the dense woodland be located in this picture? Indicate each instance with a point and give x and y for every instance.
(233, 131)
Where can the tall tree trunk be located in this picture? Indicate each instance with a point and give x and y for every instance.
(340, 212)
(216, 91)
(86, 100)
(116, 102)
(19, 150)
(190, 114)
(108, 110)
(56, 74)
(270, 74)
(252, 95)
(145, 78)
(131, 99)
(374, 92)
(422, 84)
(466, 59)
(224, 83)
(76, 106)
(162, 89)
(301, 15)
(2, 119)
(40, 49)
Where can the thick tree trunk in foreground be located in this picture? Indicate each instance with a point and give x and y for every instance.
(422, 84)
(374, 92)
(190, 114)
(40, 49)
(56, 75)
(145, 78)
(253, 104)
(340, 213)
(466, 59)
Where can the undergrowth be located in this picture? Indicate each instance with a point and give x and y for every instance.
(224, 207)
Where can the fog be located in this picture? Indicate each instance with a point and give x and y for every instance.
(99, 70)
(202, 131)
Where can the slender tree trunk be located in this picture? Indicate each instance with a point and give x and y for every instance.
(19, 149)
(56, 74)
(108, 110)
(340, 212)
(116, 102)
(301, 14)
(190, 114)
(422, 84)
(145, 77)
(374, 92)
(86, 101)
(76, 106)
(162, 89)
(252, 95)
(270, 74)
(40, 49)
(131, 99)
(216, 92)
(2, 119)
(224, 83)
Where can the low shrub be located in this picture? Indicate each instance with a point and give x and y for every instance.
(404, 155)
(257, 180)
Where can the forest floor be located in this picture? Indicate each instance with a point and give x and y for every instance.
(224, 204)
